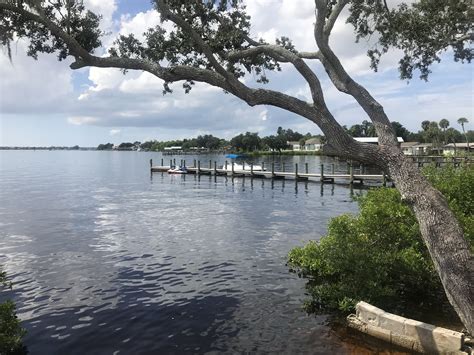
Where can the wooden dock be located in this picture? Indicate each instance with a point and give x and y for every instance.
(352, 177)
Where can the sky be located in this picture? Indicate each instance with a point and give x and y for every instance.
(44, 102)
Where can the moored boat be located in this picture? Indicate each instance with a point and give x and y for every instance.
(178, 170)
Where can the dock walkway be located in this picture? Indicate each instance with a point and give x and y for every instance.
(228, 170)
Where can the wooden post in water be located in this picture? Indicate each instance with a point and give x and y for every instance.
(161, 162)
(321, 178)
(306, 168)
(151, 163)
(210, 164)
(184, 162)
(273, 170)
(194, 163)
(384, 179)
(283, 167)
(232, 168)
(351, 173)
(215, 167)
(361, 169)
(333, 169)
(171, 163)
(263, 165)
(226, 166)
(199, 167)
(296, 171)
(243, 166)
(251, 169)
(174, 162)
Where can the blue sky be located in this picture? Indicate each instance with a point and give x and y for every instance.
(46, 103)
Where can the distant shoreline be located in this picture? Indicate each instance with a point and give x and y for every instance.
(256, 153)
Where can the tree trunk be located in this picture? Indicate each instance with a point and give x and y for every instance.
(440, 230)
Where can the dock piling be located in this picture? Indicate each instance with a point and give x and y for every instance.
(171, 163)
(161, 161)
(199, 167)
(215, 167)
(306, 170)
(296, 171)
(151, 163)
(321, 178)
(273, 170)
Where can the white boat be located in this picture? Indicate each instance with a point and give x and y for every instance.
(178, 170)
(243, 167)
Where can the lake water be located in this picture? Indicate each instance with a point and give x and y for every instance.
(109, 259)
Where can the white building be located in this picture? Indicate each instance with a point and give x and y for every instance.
(313, 144)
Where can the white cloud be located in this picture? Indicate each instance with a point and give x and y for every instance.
(106, 8)
(36, 86)
(82, 120)
(114, 132)
(139, 23)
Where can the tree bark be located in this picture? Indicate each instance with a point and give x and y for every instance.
(440, 230)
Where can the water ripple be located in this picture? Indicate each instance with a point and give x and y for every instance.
(106, 260)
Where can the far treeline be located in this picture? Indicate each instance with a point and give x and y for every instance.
(436, 133)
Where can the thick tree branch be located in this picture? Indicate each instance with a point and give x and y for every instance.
(281, 54)
(342, 80)
(336, 11)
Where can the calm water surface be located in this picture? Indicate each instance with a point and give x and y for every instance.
(107, 259)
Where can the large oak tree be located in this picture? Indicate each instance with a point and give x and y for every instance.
(210, 42)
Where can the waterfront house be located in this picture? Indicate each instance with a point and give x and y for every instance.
(295, 145)
(313, 144)
(451, 148)
(409, 148)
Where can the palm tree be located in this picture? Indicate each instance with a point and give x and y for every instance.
(444, 124)
(462, 121)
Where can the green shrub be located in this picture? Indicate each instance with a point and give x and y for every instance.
(11, 332)
(378, 256)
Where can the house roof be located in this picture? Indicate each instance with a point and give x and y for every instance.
(460, 145)
(373, 139)
(314, 140)
(408, 144)
(293, 142)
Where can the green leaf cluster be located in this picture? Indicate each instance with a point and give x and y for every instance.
(11, 332)
(422, 30)
(71, 16)
(379, 256)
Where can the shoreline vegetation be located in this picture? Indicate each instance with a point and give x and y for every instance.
(284, 142)
(11, 332)
(378, 255)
